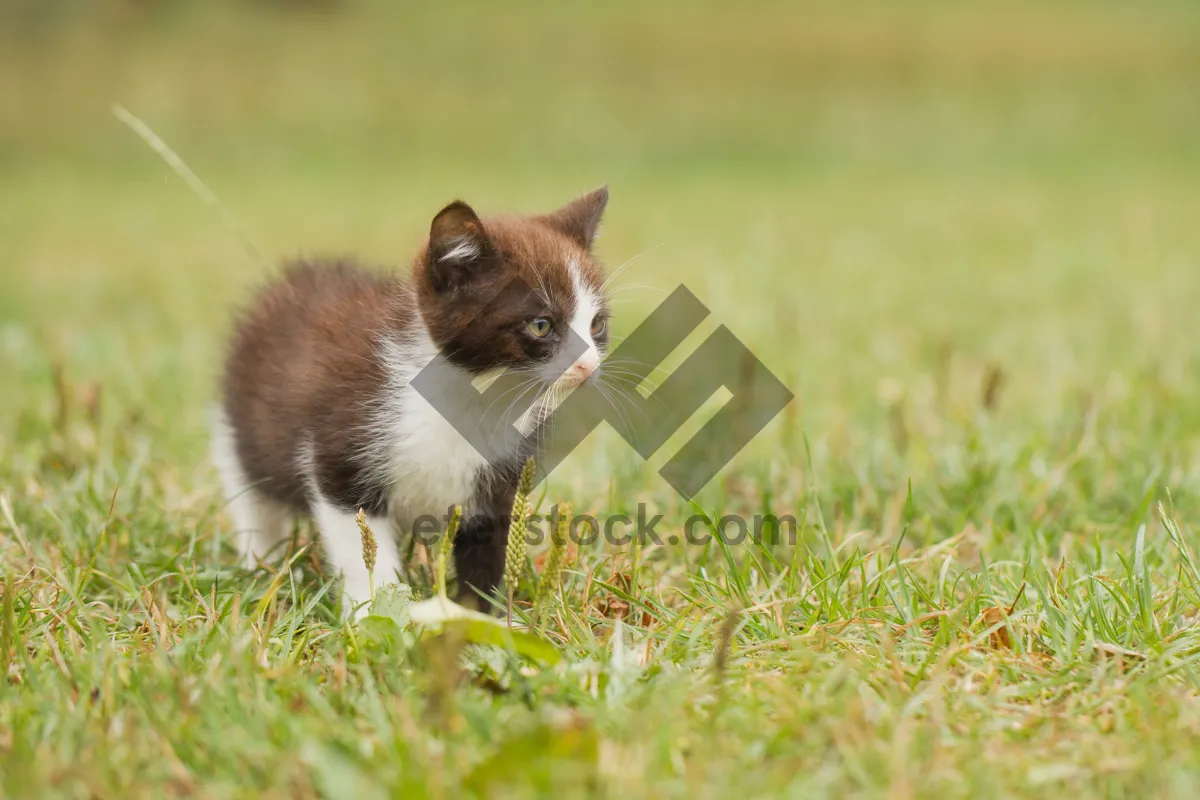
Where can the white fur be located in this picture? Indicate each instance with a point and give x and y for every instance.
(260, 524)
(463, 250)
(586, 306)
(342, 542)
(430, 464)
(565, 375)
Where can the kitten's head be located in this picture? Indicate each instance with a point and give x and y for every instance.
(516, 292)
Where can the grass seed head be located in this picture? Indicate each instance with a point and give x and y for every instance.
(370, 547)
(514, 551)
(443, 557)
(554, 562)
(525, 484)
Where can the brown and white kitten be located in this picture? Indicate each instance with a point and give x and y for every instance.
(319, 417)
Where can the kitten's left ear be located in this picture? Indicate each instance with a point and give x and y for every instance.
(459, 249)
(580, 218)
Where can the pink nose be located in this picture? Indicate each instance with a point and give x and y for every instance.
(585, 366)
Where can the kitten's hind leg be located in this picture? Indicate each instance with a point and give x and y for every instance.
(342, 541)
(260, 525)
(263, 527)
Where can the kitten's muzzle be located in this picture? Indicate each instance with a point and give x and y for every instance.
(583, 368)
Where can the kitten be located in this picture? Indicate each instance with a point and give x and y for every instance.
(319, 416)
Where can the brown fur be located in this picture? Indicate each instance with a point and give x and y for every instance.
(303, 359)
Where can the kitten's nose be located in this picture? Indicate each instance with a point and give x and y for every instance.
(584, 366)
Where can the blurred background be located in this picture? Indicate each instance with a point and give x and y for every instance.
(894, 204)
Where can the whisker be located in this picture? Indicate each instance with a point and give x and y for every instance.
(629, 392)
(626, 422)
(634, 367)
(627, 287)
(524, 386)
(632, 376)
(637, 402)
(504, 417)
(628, 262)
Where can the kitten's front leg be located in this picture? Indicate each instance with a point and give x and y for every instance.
(343, 550)
(479, 559)
(480, 545)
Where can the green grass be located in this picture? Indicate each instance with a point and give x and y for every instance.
(894, 205)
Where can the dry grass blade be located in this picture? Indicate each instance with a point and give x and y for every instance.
(191, 178)
(1000, 638)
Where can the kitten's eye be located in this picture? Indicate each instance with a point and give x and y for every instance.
(598, 325)
(539, 327)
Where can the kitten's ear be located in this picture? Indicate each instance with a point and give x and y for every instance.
(459, 248)
(580, 218)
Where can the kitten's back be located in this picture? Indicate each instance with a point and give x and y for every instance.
(303, 368)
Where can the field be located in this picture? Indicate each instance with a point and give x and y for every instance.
(966, 235)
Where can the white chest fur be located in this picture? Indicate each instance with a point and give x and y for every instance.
(430, 465)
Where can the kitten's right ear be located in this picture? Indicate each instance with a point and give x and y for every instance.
(459, 248)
